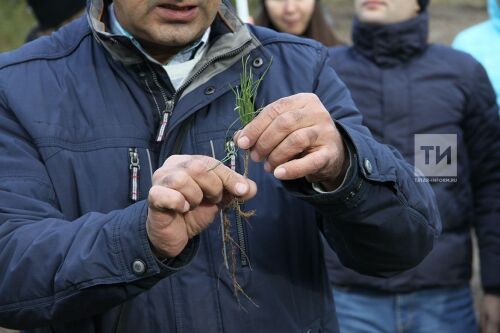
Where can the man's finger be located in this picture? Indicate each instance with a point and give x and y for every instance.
(249, 135)
(293, 145)
(181, 181)
(279, 130)
(163, 199)
(235, 183)
(195, 176)
(209, 184)
(312, 163)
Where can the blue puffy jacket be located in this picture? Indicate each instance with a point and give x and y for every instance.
(80, 109)
(483, 42)
(404, 86)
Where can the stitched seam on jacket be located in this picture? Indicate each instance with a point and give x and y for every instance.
(420, 218)
(118, 248)
(48, 56)
(319, 65)
(145, 241)
(280, 40)
(417, 215)
(27, 179)
(90, 145)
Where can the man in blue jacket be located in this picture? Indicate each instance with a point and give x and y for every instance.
(409, 90)
(111, 189)
(483, 42)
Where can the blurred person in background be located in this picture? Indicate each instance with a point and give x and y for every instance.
(305, 18)
(405, 86)
(52, 14)
(483, 42)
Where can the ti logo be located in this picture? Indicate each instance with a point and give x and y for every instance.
(435, 155)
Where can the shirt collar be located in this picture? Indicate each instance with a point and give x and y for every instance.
(184, 55)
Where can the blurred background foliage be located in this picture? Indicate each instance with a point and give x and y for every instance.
(16, 19)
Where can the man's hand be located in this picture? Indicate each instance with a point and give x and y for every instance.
(490, 314)
(186, 195)
(297, 138)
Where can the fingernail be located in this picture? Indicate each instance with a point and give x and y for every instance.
(267, 166)
(187, 207)
(255, 156)
(236, 134)
(244, 142)
(241, 188)
(279, 172)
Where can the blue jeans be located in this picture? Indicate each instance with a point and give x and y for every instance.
(440, 310)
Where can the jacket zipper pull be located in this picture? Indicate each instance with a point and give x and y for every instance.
(231, 152)
(134, 168)
(164, 121)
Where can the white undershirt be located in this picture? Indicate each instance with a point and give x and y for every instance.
(178, 72)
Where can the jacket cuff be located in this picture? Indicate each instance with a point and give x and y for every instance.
(137, 257)
(183, 259)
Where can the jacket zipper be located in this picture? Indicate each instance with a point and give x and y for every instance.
(167, 111)
(170, 103)
(134, 168)
(150, 165)
(221, 216)
(230, 149)
(164, 120)
(166, 114)
(241, 240)
(154, 98)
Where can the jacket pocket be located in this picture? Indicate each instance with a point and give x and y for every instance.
(97, 176)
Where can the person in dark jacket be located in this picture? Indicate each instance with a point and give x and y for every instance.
(117, 205)
(409, 90)
(52, 14)
(305, 18)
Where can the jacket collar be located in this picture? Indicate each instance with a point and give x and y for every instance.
(123, 49)
(230, 40)
(394, 44)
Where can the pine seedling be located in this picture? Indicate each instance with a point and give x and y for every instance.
(245, 100)
(245, 107)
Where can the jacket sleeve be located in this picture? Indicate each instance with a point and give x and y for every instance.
(51, 267)
(381, 221)
(482, 137)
